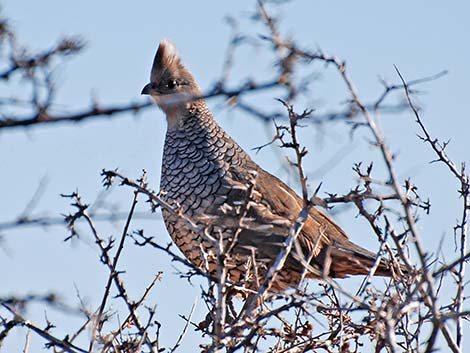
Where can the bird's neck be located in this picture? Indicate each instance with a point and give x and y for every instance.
(190, 115)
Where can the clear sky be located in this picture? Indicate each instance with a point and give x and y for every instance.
(420, 37)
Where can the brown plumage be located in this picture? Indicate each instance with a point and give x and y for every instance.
(216, 184)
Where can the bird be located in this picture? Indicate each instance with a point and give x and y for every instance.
(223, 204)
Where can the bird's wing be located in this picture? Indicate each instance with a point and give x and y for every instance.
(318, 229)
(274, 207)
(321, 239)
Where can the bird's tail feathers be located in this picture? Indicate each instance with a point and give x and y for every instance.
(342, 260)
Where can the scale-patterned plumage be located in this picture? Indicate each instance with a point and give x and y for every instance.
(214, 183)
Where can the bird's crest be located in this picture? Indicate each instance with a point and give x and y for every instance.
(167, 62)
(166, 58)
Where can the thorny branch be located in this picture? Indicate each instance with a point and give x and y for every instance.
(464, 192)
(105, 248)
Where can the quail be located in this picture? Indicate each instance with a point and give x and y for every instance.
(210, 180)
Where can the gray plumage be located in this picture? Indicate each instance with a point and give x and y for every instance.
(215, 183)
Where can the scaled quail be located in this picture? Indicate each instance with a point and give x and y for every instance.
(212, 181)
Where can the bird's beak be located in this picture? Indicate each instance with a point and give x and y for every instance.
(147, 89)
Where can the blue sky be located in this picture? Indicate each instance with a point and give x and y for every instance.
(420, 37)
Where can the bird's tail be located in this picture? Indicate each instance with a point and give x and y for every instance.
(343, 259)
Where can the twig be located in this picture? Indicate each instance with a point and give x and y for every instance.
(463, 178)
(185, 328)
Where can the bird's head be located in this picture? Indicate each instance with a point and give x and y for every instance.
(171, 85)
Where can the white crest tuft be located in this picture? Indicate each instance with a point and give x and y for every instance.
(168, 48)
(166, 60)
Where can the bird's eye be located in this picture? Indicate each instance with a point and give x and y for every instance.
(172, 84)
